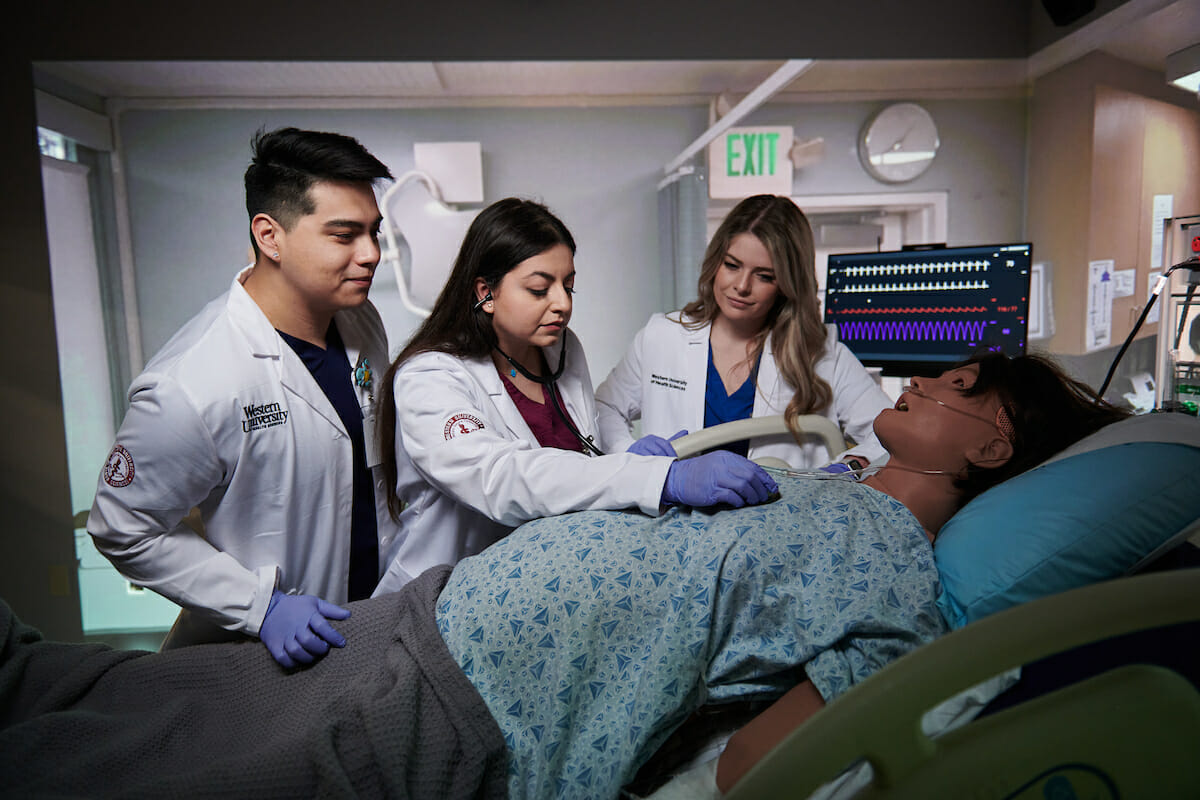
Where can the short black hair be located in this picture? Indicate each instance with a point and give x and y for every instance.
(286, 163)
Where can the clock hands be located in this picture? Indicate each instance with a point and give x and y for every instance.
(896, 144)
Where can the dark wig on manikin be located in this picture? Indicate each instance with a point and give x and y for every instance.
(285, 163)
(1049, 411)
(504, 234)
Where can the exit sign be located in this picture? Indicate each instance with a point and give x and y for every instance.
(746, 161)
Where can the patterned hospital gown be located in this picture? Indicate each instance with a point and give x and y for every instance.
(591, 636)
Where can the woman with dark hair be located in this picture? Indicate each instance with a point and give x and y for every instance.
(752, 344)
(491, 411)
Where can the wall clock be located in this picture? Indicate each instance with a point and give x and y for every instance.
(898, 143)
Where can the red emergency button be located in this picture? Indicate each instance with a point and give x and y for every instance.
(1196, 244)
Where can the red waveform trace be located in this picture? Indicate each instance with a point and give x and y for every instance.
(917, 310)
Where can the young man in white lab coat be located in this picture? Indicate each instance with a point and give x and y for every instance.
(260, 413)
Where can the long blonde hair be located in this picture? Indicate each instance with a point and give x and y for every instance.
(794, 323)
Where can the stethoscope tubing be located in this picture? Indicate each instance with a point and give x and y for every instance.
(552, 382)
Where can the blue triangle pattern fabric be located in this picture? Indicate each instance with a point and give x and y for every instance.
(590, 647)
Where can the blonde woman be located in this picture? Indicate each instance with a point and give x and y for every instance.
(751, 345)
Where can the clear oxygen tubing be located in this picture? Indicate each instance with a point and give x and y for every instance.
(860, 473)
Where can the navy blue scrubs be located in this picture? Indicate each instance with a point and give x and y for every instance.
(331, 370)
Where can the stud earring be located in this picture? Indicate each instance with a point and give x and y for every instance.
(275, 255)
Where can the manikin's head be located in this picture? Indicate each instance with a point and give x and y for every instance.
(989, 419)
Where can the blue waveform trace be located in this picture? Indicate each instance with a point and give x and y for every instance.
(912, 330)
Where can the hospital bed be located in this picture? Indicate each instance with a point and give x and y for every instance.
(1131, 725)
(1132, 731)
(1115, 505)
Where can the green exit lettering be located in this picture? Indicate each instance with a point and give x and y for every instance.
(750, 154)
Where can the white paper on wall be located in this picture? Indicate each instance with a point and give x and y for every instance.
(1037, 277)
(1160, 208)
(1100, 297)
(1123, 282)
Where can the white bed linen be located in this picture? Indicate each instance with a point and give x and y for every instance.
(699, 782)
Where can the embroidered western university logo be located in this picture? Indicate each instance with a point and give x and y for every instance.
(267, 415)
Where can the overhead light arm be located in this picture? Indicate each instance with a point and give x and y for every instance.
(392, 251)
(764, 91)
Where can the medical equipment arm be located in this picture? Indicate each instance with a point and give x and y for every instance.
(169, 465)
(701, 440)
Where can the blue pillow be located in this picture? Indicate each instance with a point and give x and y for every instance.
(1085, 518)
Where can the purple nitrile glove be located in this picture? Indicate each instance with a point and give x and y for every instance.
(296, 628)
(715, 478)
(652, 445)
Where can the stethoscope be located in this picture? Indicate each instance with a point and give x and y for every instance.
(551, 382)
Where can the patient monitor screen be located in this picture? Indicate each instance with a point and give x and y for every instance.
(917, 312)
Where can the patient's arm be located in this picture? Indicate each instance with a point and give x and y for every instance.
(765, 731)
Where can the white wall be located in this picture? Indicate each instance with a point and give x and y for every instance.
(596, 168)
(981, 161)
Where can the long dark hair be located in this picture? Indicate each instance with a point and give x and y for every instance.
(504, 234)
(797, 332)
(1048, 409)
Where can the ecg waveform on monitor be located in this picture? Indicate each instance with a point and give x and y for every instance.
(936, 286)
(921, 268)
(917, 310)
(913, 330)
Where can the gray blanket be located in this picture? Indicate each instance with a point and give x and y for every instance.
(390, 715)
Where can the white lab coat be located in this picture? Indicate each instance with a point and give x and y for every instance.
(661, 381)
(227, 417)
(469, 469)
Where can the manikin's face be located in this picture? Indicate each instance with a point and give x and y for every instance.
(744, 287)
(531, 305)
(923, 433)
(328, 258)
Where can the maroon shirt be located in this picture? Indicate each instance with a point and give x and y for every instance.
(547, 426)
